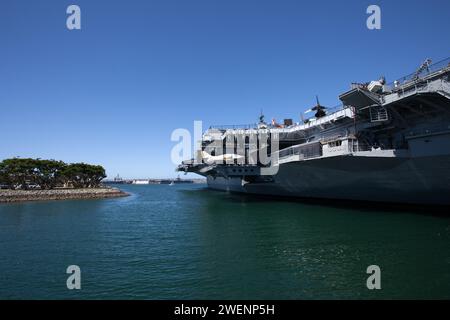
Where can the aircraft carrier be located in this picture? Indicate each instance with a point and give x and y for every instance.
(385, 142)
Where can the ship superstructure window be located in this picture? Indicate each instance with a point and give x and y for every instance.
(335, 144)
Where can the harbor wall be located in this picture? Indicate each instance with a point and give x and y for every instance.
(7, 196)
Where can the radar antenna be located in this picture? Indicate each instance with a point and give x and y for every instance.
(261, 117)
(320, 110)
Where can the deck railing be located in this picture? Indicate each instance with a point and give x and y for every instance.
(329, 111)
(306, 151)
(445, 63)
(233, 126)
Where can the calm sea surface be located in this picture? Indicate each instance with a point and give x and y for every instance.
(187, 242)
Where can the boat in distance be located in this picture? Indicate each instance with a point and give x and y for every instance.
(384, 143)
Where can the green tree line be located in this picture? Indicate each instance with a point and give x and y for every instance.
(18, 173)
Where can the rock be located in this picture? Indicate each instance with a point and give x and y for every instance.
(60, 194)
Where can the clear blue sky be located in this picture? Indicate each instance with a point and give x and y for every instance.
(112, 92)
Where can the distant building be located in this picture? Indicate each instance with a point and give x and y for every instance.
(141, 181)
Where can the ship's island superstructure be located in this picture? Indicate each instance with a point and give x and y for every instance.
(386, 142)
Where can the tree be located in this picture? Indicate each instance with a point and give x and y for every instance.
(29, 173)
(82, 175)
(48, 173)
(4, 181)
(18, 173)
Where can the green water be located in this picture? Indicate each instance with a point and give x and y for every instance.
(186, 242)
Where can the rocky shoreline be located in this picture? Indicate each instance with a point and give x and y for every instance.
(7, 196)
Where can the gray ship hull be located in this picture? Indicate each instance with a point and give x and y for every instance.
(386, 143)
(422, 180)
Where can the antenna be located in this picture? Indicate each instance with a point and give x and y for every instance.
(261, 117)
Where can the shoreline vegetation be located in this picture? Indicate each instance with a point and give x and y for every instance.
(36, 179)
